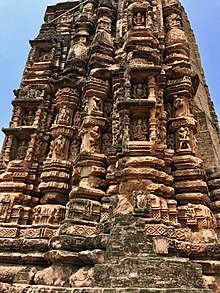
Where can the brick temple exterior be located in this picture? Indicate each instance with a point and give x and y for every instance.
(109, 172)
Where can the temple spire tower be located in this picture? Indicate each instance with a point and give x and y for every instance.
(105, 185)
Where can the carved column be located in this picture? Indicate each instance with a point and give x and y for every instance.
(57, 168)
(191, 189)
(141, 182)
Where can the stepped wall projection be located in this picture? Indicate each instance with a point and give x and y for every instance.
(109, 173)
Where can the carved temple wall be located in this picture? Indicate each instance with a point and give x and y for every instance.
(110, 165)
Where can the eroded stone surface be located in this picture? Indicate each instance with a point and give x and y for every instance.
(109, 173)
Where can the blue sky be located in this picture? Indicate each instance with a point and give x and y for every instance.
(20, 21)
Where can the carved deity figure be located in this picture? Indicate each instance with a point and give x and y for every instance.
(139, 91)
(108, 110)
(64, 115)
(94, 139)
(74, 149)
(142, 203)
(174, 21)
(77, 119)
(191, 214)
(17, 116)
(79, 49)
(106, 142)
(184, 138)
(162, 130)
(139, 19)
(115, 131)
(6, 205)
(149, 20)
(57, 148)
(139, 130)
(30, 118)
(180, 106)
(22, 150)
(90, 139)
(95, 105)
(47, 56)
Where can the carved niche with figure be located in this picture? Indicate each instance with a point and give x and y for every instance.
(139, 129)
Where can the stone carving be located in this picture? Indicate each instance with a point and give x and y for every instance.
(90, 139)
(174, 21)
(47, 56)
(48, 214)
(191, 214)
(74, 149)
(108, 110)
(82, 278)
(106, 142)
(77, 119)
(78, 50)
(53, 275)
(99, 174)
(28, 118)
(139, 19)
(140, 91)
(6, 204)
(104, 23)
(141, 202)
(88, 8)
(196, 215)
(162, 130)
(184, 138)
(181, 107)
(139, 129)
(171, 141)
(95, 105)
(57, 148)
(63, 116)
(83, 209)
(22, 150)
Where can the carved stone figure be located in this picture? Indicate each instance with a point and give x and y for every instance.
(79, 49)
(57, 148)
(174, 21)
(106, 142)
(141, 202)
(180, 106)
(139, 19)
(94, 139)
(22, 150)
(139, 127)
(77, 119)
(139, 91)
(64, 115)
(95, 104)
(191, 214)
(88, 8)
(74, 149)
(184, 138)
